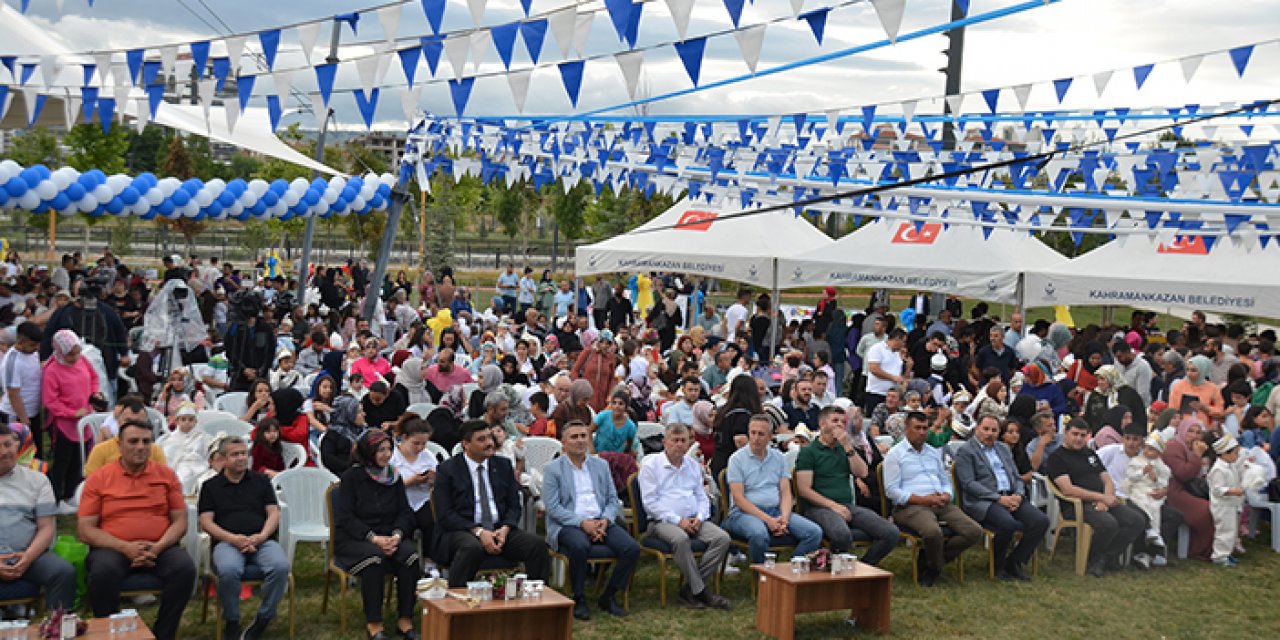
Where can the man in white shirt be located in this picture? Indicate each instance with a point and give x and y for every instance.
(672, 493)
(735, 317)
(885, 367)
(1135, 371)
(21, 373)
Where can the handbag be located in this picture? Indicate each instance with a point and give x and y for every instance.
(74, 552)
(1198, 487)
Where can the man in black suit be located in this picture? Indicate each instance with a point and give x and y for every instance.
(477, 509)
(993, 494)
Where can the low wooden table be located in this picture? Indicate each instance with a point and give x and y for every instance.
(865, 591)
(550, 616)
(100, 629)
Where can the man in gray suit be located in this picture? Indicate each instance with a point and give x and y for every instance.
(993, 494)
(582, 505)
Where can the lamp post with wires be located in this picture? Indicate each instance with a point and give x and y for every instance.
(304, 267)
(955, 62)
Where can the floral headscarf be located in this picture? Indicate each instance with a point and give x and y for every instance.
(703, 411)
(64, 342)
(367, 457)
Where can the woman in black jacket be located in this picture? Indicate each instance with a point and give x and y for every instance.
(374, 533)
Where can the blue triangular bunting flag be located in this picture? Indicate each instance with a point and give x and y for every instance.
(460, 91)
(367, 105)
(434, 11)
(571, 75)
(1060, 87)
(409, 62)
(1141, 72)
(88, 102)
(106, 113)
(734, 7)
(150, 69)
(221, 69)
(155, 95)
(963, 5)
(274, 111)
(36, 107)
(633, 24)
(690, 52)
(817, 20)
(431, 50)
(1240, 58)
(352, 19)
(325, 74)
(504, 40)
(28, 70)
(244, 86)
(619, 15)
(270, 44)
(534, 33)
(526, 5)
(133, 59)
(200, 55)
(992, 96)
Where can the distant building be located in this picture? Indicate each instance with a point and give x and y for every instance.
(387, 144)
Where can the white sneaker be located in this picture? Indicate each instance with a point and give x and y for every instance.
(1142, 560)
(1159, 561)
(144, 600)
(731, 570)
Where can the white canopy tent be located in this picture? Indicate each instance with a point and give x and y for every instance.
(742, 248)
(1139, 271)
(897, 255)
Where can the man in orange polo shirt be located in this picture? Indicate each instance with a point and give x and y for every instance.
(132, 516)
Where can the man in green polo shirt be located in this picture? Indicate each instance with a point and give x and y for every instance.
(822, 476)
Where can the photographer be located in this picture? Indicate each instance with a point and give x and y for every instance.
(250, 341)
(96, 323)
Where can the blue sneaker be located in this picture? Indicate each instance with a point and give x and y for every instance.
(1231, 560)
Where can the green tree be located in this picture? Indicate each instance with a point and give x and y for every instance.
(122, 236)
(243, 165)
(146, 150)
(179, 164)
(35, 146)
(568, 209)
(89, 148)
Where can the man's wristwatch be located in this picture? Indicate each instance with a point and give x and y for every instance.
(477, 531)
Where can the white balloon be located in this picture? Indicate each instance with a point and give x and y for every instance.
(190, 209)
(290, 198)
(29, 200)
(168, 185)
(153, 196)
(8, 169)
(63, 177)
(358, 204)
(103, 193)
(68, 210)
(258, 187)
(368, 190)
(138, 208)
(338, 182)
(388, 179)
(46, 189)
(87, 203)
(203, 198)
(320, 209)
(247, 199)
(300, 185)
(117, 183)
(216, 186)
(234, 210)
(330, 196)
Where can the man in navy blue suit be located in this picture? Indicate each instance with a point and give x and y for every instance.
(477, 510)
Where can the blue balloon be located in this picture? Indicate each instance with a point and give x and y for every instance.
(244, 215)
(129, 196)
(376, 202)
(214, 209)
(43, 208)
(75, 191)
(98, 212)
(43, 171)
(269, 198)
(192, 186)
(60, 201)
(226, 199)
(16, 187)
(299, 208)
(148, 179)
(349, 193)
(258, 207)
(383, 190)
(115, 206)
(286, 216)
(86, 181)
(180, 198)
(165, 208)
(4, 197)
(30, 176)
(311, 198)
(319, 184)
(237, 187)
(199, 216)
(150, 215)
(279, 186)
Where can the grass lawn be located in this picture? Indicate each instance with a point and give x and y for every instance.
(1185, 600)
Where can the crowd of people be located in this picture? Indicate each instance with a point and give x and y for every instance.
(847, 428)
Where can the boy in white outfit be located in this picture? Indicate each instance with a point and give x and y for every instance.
(1147, 474)
(1226, 496)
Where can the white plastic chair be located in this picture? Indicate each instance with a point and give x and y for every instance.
(210, 415)
(457, 450)
(232, 402)
(93, 421)
(421, 408)
(302, 506)
(790, 458)
(1258, 503)
(438, 451)
(294, 454)
(647, 429)
(229, 426)
(538, 451)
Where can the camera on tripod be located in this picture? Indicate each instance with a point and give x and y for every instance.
(245, 304)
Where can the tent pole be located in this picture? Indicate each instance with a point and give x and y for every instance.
(399, 196)
(777, 308)
(1021, 296)
(304, 267)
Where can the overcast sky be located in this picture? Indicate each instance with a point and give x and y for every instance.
(1069, 38)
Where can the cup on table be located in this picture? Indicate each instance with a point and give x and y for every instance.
(770, 560)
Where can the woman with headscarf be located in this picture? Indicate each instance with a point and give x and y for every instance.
(1055, 347)
(66, 386)
(511, 371)
(730, 426)
(1040, 388)
(703, 429)
(488, 355)
(1082, 370)
(294, 425)
(1112, 426)
(411, 385)
(373, 533)
(664, 317)
(1021, 408)
(1197, 385)
(546, 294)
(346, 425)
(445, 291)
(1111, 390)
(576, 408)
(1184, 455)
(992, 400)
(427, 289)
(598, 365)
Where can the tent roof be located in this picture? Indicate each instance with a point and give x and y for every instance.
(740, 248)
(896, 255)
(1144, 272)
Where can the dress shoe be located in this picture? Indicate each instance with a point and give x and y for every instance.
(256, 629)
(381, 635)
(1017, 572)
(714, 600)
(929, 577)
(1097, 568)
(611, 607)
(686, 597)
(409, 634)
(580, 611)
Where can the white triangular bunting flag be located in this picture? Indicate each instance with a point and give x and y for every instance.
(1022, 92)
(456, 49)
(389, 18)
(581, 30)
(307, 34)
(1100, 81)
(750, 40)
(121, 95)
(477, 10)
(890, 14)
(168, 59)
(480, 40)
(796, 7)
(49, 69)
(833, 120)
(205, 89)
(235, 47)
(103, 63)
(955, 103)
(680, 11)
(409, 99)
(142, 114)
(29, 95)
(367, 69)
(630, 62)
(519, 82)
(908, 110)
(561, 25)
(318, 109)
(284, 82)
(1189, 66)
(70, 109)
(231, 109)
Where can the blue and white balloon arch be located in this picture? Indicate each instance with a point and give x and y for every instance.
(67, 191)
